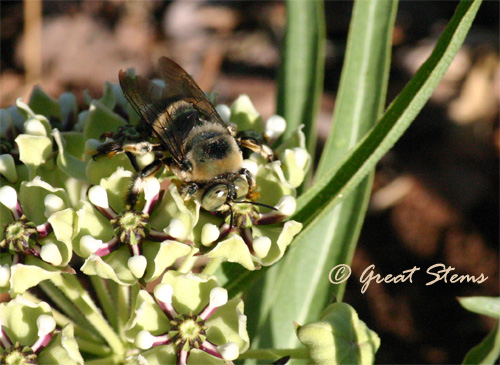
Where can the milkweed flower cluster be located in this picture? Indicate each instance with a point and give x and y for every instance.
(63, 214)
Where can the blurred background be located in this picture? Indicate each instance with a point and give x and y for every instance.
(436, 194)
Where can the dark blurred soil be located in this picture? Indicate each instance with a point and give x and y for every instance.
(436, 194)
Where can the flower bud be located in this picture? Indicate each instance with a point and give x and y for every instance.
(98, 196)
(8, 167)
(53, 204)
(261, 246)
(164, 292)
(4, 275)
(89, 245)
(34, 127)
(176, 229)
(229, 351)
(8, 197)
(50, 253)
(302, 157)
(46, 324)
(137, 264)
(275, 126)
(144, 340)
(218, 297)
(151, 188)
(287, 205)
(209, 233)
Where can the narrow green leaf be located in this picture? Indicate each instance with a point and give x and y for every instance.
(482, 305)
(302, 69)
(301, 295)
(343, 177)
(487, 352)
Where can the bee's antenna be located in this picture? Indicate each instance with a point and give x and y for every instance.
(231, 219)
(259, 204)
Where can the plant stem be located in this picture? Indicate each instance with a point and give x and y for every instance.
(72, 288)
(105, 299)
(274, 354)
(62, 301)
(189, 261)
(212, 266)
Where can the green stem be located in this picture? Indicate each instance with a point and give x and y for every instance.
(92, 348)
(104, 361)
(105, 299)
(62, 301)
(121, 295)
(72, 288)
(274, 354)
(212, 266)
(189, 261)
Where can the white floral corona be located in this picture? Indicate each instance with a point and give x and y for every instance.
(8, 197)
(53, 204)
(275, 126)
(261, 246)
(287, 205)
(164, 292)
(8, 167)
(89, 245)
(218, 297)
(209, 233)
(50, 253)
(98, 196)
(176, 229)
(46, 324)
(144, 340)
(34, 127)
(229, 351)
(137, 265)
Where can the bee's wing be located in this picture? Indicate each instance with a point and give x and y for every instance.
(179, 83)
(150, 101)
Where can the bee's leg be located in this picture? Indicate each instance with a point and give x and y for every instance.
(256, 143)
(189, 190)
(137, 185)
(248, 175)
(112, 148)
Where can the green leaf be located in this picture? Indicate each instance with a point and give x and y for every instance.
(301, 72)
(301, 295)
(488, 351)
(43, 104)
(347, 174)
(482, 305)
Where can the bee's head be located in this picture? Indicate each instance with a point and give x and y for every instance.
(217, 195)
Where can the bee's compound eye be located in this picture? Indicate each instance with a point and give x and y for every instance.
(215, 197)
(241, 186)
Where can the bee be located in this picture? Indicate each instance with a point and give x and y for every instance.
(191, 140)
